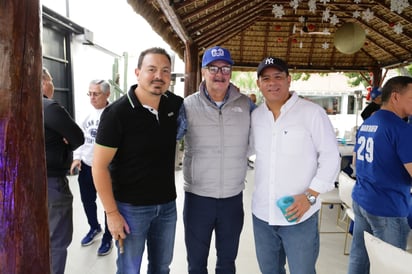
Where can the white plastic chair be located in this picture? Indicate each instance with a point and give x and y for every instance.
(330, 198)
(346, 184)
(385, 258)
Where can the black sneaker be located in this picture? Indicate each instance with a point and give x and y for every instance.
(105, 248)
(91, 236)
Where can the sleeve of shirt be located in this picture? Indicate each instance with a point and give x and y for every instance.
(109, 132)
(77, 154)
(251, 146)
(328, 153)
(252, 105)
(404, 147)
(181, 123)
(60, 120)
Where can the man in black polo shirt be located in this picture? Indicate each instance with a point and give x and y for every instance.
(133, 166)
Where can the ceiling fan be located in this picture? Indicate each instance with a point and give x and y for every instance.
(306, 30)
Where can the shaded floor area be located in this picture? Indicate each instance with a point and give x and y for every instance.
(85, 260)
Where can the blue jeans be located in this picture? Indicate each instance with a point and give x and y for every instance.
(393, 230)
(298, 243)
(88, 196)
(60, 207)
(202, 216)
(155, 224)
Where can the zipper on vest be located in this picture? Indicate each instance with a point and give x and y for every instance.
(222, 156)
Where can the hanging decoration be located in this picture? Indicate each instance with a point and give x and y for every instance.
(367, 15)
(326, 15)
(311, 27)
(312, 6)
(399, 5)
(325, 45)
(294, 4)
(278, 11)
(334, 20)
(349, 38)
(294, 29)
(398, 28)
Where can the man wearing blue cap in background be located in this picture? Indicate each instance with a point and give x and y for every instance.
(374, 105)
(216, 122)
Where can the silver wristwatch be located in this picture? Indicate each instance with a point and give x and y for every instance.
(311, 198)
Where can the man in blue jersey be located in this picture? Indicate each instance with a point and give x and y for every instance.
(381, 195)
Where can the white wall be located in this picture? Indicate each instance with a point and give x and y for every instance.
(116, 28)
(88, 63)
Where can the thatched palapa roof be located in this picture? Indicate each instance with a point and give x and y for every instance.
(289, 29)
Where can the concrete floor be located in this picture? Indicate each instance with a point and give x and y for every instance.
(85, 260)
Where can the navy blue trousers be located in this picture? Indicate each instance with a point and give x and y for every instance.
(88, 196)
(202, 216)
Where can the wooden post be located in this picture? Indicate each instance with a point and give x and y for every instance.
(24, 234)
(192, 70)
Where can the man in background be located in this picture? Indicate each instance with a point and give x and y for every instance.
(62, 136)
(382, 193)
(99, 92)
(252, 97)
(374, 105)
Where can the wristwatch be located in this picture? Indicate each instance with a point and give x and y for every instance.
(311, 198)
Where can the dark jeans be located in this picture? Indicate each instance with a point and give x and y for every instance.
(202, 215)
(60, 207)
(88, 196)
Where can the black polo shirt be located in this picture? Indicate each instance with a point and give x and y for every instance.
(142, 169)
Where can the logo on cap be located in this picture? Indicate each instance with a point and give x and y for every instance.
(217, 52)
(272, 62)
(269, 61)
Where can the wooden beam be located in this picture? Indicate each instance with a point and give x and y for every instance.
(24, 233)
(174, 21)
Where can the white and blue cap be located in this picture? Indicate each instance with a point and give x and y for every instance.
(216, 54)
(376, 92)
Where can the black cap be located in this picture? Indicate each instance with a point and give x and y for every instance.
(274, 63)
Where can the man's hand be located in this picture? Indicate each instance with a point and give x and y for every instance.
(298, 208)
(75, 164)
(118, 226)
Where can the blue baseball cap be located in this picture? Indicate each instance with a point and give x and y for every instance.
(216, 53)
(376, 92)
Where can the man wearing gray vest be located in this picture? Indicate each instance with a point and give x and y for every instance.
(216, 121)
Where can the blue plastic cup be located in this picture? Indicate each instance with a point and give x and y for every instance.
(283, 203)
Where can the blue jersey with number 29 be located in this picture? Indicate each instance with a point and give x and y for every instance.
(383, 146)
